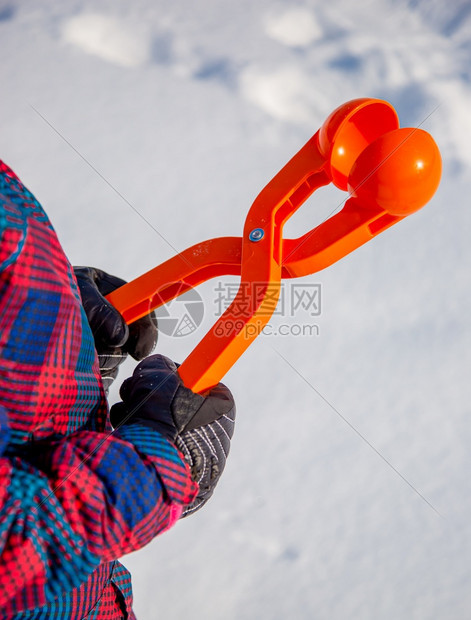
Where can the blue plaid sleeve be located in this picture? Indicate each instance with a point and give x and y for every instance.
(70, 504)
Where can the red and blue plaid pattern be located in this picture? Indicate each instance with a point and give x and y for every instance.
(74, 496)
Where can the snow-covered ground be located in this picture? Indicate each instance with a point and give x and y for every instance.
(347, 493)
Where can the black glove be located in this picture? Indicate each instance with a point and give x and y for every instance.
(200, 426)
(113, 338)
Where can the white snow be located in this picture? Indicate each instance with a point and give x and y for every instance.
(328, 507)
(108, 38)
(296, 27)
(280, 92)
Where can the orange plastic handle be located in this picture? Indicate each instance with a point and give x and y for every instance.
(389, 173)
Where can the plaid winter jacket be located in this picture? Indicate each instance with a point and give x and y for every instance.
(74, 495)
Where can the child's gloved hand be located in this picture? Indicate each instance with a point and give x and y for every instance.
(200, 426)
(113, 338)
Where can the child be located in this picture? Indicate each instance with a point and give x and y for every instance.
(78, 488)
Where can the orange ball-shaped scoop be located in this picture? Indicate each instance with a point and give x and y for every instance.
(400, 171)
(349, 130)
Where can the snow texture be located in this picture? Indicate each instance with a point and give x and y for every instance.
(145, 127)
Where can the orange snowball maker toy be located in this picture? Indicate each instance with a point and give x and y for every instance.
(388, 172)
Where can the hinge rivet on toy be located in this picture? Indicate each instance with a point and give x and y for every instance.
(256, 234)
